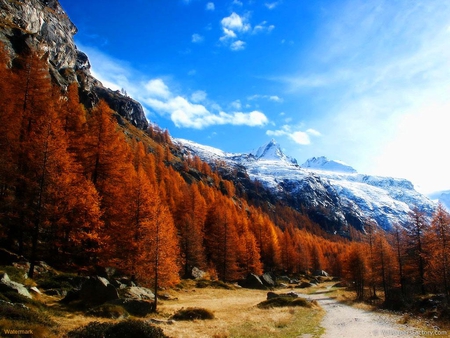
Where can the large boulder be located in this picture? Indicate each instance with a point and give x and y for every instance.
(6, 284)
(252, 282)
(268, 280)
(137, 292)
(97, 290)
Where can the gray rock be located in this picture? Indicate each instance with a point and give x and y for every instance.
(6, 284)
(267, 280)
(252, 282)
(197, 273)
(321, 273)
(97, 290)
(138, 292)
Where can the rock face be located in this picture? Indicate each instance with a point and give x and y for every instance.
(43, 27)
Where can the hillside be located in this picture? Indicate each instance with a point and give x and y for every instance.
(331, 192)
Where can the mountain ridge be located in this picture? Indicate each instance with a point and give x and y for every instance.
(336, 198)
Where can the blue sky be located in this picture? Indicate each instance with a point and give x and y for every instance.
(365, 82)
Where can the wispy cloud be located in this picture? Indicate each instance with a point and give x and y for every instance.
(197, 38)
(274, 98)
(272, 5)
(210, 6)
(263, 27)
(237, 45)
(295, 134)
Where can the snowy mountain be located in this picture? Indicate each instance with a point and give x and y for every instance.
(331, 192)
(322, 163)
(443, 197)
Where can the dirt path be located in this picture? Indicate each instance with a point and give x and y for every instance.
(343, 321)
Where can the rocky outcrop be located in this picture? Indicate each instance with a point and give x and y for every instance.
(43, 27)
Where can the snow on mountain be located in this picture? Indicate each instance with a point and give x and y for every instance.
(334, 194)
(322, 163)
(272, 151)
(443, 197)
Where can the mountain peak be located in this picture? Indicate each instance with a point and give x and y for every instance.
(272, 151)
(323, 163)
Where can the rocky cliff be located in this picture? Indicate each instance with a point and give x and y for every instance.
(42, 26)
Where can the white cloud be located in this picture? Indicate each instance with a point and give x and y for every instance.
(210, 6)
(197, 38)
(236, 104)
(198, 96)
(235, 23)
(274, 98)
(295, 134)
(272, 5)
(157, 88)
(184, 113)
(157, 98)
(237, 3)
(237, 45)
(228, 34)
(263, 27)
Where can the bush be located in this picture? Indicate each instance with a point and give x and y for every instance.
(125, 329)
(284, 302)
(192, 313)
(108, 311)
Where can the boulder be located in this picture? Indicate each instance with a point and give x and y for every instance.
(97, 290)
(7, 284)
(138, 292)
(304, 285)
(197, 273)
(267, 280)
(252, 282)
(321, 273)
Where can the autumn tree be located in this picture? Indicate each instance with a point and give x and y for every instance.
(356, 268)
(160, 249)
(416, 254)
(439, 245)
(222, 240)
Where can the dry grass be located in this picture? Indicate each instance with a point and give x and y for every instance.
(237, 315)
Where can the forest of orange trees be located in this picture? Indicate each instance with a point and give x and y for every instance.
(79, 191)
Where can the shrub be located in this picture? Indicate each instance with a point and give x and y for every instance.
(193, 313)
(284, 302)
(125, 329)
